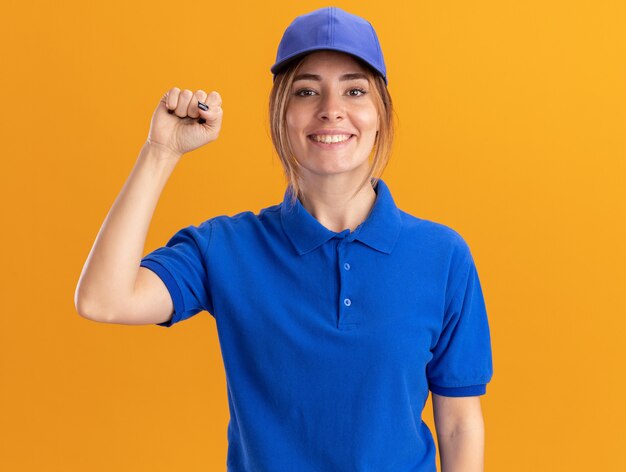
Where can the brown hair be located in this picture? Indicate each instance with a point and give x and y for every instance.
(280, 96)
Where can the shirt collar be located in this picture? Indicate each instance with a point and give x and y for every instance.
(380, 229)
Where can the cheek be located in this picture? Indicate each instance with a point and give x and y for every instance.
(293, 123)
(367, 118)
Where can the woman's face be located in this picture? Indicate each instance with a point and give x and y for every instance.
(331, 99)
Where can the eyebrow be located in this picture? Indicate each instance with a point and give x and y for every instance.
(344, 77)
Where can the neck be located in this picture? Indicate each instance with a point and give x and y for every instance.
(331, 202)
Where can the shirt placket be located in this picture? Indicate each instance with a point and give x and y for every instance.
(348, 300)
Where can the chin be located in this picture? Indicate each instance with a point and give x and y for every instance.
(326, 166)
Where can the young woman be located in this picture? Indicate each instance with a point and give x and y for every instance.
(336, 311)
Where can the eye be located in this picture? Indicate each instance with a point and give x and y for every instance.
(299, 93)
(360, 90)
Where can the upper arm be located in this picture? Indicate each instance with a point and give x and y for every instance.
(182, 267)
(151, 301)
(460, 432)
(456, 414)
(461, 364)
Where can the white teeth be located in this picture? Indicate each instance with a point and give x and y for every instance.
(328, 139)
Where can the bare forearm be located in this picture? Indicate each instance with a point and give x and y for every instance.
(463, 451)
(109, 274)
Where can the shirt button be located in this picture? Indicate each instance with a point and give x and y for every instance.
(347, 302)
(346, 266)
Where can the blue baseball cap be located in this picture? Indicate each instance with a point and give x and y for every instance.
(330, 28)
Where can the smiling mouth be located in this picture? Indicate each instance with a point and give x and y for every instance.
(330, 140)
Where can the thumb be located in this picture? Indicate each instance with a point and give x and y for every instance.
(208, 112)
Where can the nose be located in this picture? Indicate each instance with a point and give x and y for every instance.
(331, 108)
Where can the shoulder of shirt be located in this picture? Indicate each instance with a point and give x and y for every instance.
(437, 233)
(245, 217)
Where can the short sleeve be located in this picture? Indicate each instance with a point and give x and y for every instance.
(181, 265)
(462, 362)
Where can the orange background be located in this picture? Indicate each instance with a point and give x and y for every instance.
(512, 120)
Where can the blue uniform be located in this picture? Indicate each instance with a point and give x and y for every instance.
(331, 341)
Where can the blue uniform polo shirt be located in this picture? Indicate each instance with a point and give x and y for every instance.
(331, 341)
